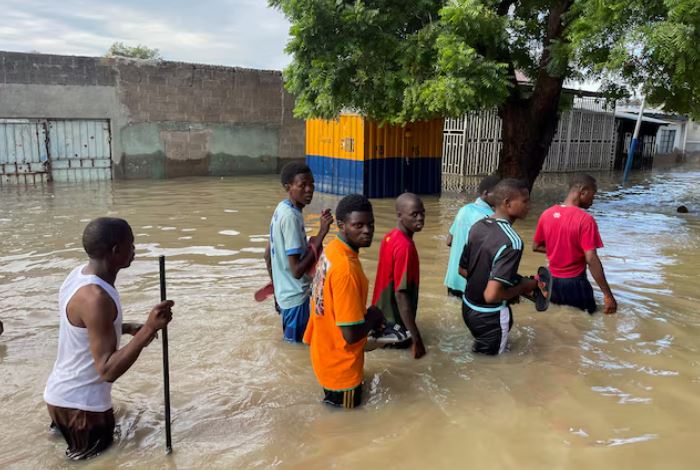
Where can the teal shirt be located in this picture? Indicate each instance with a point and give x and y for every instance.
(288, 237)
(466, 217)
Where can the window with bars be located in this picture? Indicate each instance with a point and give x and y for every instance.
(666, 139)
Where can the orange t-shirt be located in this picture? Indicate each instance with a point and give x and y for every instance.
(338, 298)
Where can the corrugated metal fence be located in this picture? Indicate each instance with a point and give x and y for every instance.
(585, 140)
(40, 150)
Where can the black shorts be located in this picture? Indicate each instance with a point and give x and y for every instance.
(490, 329)
(345, 399)
(455, 293)
(573, 291)
(87, 433)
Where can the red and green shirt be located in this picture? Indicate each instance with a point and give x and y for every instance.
(398, 270)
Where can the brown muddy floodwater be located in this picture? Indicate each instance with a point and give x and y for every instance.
(574, 392)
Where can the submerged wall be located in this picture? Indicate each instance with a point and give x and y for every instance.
(167, 119)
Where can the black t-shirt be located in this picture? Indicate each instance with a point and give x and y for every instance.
(493, 251)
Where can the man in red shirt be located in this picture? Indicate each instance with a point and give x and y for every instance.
(569, 236)
(398, 274)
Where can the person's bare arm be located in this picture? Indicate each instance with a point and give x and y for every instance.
(268, 260)
(463, 272)
(97, 311)
(448, 242)
(497, 292)
(354, 333)
(539, 247)
(298, 266)
(596, 267)
(408, 315)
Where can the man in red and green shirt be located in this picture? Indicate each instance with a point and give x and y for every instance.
(398, 274)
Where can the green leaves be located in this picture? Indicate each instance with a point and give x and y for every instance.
(119, 49)
(650, 44)
(402, 60)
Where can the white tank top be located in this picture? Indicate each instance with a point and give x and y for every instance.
(74, 381)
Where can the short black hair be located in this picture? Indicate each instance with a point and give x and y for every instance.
(102, 234)
(291, 170)
(582, 181)
(507, 188)
(350, 204)
(488, 183)
(405, 197)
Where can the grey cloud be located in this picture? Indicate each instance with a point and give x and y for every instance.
(244, 33)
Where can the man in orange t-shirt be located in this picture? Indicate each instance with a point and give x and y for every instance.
(339, 323)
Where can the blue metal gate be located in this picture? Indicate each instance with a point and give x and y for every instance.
(40, 150)
(23, 152)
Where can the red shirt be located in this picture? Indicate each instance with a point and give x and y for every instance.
(397, 270)
(567, 233)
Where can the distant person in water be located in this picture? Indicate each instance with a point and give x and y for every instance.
(78, 391)
(340, 321)
(398, 277)
(289, 256)
(570, 238)
(490, 262)
(467, 216)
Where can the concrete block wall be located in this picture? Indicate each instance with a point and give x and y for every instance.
(168, 119)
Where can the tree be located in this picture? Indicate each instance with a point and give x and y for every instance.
(403, 60)
(119, 49)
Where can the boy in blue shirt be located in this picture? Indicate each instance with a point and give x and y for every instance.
(467, 216)
(290, 255)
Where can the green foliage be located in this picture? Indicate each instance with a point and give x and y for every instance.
(651, 45)
(119, 49)
(402, 60)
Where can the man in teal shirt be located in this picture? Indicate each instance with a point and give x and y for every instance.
(459, 233)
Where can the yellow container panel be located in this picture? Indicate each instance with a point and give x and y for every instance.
(341, 138)
(417, 139)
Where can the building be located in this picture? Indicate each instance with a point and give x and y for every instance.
(585, 140)
(66, 118)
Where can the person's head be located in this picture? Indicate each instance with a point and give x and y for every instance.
(583, 187)
(410, 212)
(355, 220)
(486, 188)
(109, 239)
(298, 181)
(511, 198)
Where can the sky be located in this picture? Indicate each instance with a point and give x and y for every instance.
(244, 33)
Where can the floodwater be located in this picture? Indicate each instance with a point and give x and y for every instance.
(575, 391)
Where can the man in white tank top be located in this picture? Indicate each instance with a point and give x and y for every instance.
(78, 391)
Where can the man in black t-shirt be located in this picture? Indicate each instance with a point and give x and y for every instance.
(490, 262)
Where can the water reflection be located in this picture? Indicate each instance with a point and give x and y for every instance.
(625, 385)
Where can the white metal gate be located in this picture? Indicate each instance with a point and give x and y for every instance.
(585, 140)
(40, 150)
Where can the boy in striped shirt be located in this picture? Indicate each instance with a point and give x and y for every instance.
(490, 262)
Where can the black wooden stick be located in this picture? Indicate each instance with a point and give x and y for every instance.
(166, 365)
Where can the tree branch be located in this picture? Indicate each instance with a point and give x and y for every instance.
(547, 89)
(505, 54)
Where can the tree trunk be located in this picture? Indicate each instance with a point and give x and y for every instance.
(529, 123)
(528, 127)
